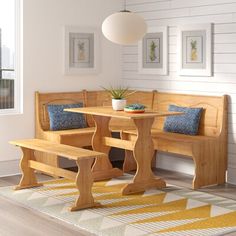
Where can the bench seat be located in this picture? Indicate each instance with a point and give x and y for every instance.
(74, 137)
(87, 130)
(173, 136)
(83, 157)
(169, 142)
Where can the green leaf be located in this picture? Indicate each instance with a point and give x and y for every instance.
(118, 93)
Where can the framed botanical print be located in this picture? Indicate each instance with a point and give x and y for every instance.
(81, 50)
(153, 52)
(195, 50)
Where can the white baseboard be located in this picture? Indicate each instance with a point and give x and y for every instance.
(8, 168)
(175, 163)
(231, 175)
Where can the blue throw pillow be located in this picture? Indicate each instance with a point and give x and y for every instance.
(183, 124)
(62, 120)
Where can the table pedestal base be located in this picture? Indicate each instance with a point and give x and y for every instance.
(138, 187)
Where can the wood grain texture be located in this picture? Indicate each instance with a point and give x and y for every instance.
(143, 154)
(84, 159)
(143, 97)
(142, 146)
(109, 112)
(28, 178)
(78, 137)
(208, 149)
(102, 168)
(63, 150)
(84, 182)
(118, 143)
(211, 119)
(53, 171)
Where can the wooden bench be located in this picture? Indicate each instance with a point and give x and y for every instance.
(84, 159)
(78, 137)
(208, 149)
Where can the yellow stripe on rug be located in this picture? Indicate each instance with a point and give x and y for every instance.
(168, 212)
(226, 220)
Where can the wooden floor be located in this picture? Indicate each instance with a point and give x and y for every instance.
(20, 221)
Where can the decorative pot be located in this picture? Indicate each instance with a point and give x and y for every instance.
(118, 104)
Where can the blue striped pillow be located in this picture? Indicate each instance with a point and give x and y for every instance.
(183, 124)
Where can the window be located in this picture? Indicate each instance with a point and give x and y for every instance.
(9, 58)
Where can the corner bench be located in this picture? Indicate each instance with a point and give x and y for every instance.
(84, 159)
(208, 149)
(78, 137)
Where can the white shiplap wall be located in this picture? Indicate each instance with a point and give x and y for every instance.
(222, 13)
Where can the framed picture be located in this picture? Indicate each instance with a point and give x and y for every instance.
(153, 52)
(195, 50)
(81, 50)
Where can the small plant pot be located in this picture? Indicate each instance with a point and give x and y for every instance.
(118, 104)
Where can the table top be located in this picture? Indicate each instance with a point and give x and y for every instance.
(109, 112)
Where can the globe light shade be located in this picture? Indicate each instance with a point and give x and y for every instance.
(124, 28)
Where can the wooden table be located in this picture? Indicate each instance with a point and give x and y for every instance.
(142, 147)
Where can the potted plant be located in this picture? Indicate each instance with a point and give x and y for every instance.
(119, 96)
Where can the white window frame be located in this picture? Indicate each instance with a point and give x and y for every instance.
(18, 83)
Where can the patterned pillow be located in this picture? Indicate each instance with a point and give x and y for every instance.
(62, 120)
(183, 124)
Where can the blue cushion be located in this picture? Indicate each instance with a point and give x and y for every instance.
(183, 124)
(62, 120)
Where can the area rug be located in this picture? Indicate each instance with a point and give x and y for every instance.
(169, 212)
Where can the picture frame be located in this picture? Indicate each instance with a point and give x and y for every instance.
(195, 50)
(153, 51)
(81, 50)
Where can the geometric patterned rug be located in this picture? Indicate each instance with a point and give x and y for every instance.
(173, 211)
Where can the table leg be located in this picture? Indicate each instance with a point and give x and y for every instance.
(143, 153)
(102, 168)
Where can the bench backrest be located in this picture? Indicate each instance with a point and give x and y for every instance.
(89, 99)
(143, 97)
(96, 98)
(42, 100)
(213, 120)
(102, 98)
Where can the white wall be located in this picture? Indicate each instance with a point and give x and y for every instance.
(43, 62)
(175, 12)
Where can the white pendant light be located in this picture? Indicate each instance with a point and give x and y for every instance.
(124, 27)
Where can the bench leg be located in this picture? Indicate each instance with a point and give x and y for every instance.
(208, 161)
(28, 179)
(84, 183)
